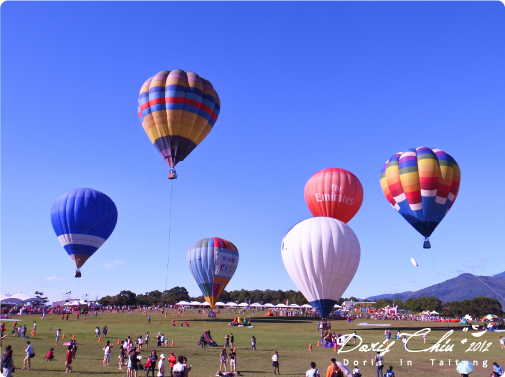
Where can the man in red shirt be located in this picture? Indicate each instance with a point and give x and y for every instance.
(172, 360)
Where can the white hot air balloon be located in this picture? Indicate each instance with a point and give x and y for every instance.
(414, 262)
(321, 255)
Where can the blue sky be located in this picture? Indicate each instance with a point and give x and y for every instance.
(303, 86)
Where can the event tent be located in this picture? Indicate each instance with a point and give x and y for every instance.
(243, 305)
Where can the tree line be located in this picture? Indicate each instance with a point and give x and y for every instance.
(476, 307)
(176, 294)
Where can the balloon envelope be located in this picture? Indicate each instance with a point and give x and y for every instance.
(321, 255)
(212, 261)
(83, 219)
(422, 185)
(334, 193)
(178, 110)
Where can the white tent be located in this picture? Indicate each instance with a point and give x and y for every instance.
(281, 306)
(256, 305)
(9, 300)
(231, 304)
(195, 303)
(294, 306)
(269, 305)
(306, 306)
(21, 296)
(219, 303)
(205, 303)
(25, 299)
(182, 303)
(243, 305)
(337, 306)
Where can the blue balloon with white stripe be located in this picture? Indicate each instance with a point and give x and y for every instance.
(83, 219)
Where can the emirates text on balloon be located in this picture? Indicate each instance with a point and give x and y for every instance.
(334, 198)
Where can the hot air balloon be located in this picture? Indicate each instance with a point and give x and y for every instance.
(83, 219)
(212, 261)
(321, 256)
(177, 110)
(334, 193)
(414, 262)
(422, 184)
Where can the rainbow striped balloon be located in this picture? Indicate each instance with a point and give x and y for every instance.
(177, 110)
(212, 261)
(422, 185)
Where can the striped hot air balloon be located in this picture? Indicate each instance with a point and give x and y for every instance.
(422, 185)
(212, 261)
(83, 219)
(178, 110)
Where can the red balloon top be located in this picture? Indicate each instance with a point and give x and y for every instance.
(334, 193)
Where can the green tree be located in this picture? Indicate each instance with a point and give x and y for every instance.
(41, 300)
(174, 295)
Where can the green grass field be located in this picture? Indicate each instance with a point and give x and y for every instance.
(289, 335)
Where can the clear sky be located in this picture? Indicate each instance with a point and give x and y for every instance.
(303, 87)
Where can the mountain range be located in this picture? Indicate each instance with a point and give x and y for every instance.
(464, 286)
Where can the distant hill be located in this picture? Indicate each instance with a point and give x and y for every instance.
(464, 286)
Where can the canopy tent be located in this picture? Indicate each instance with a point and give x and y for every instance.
(219, 303)
(434, 312)
(243, 305)
(256, 305)
(195, 303)
(21, 296)
(306, 306)
(182, 303)
(294, 306)
(337, 306)
(24, 299)
(231, 304)
(282, 306)
(9, 300)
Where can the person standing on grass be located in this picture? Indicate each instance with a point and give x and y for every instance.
(253, 342)
(172, 359)
(313, 372)
(58, 333)
(97, 332)
(161, 366)
(107, 352)
(329, 370)
(227, 341)
(275, 362)
(179, 368)
(424, 337)
(150, 364)
(7, 362)
(68, 360)
(121, 356)
(185, 364)
(202, 341)
(222, 359)
(379, 363)
(29, 354)
(233, 361)
(232, 339)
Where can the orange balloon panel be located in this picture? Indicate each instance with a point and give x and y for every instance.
(334, 193)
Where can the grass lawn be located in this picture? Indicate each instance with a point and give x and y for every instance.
(289, 335)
